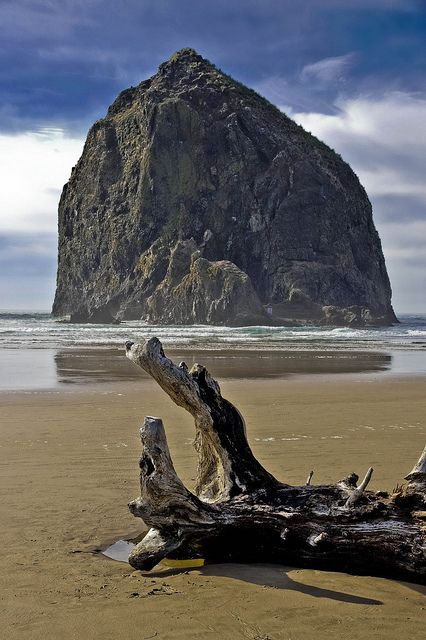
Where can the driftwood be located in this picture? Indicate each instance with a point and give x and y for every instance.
(240, 512)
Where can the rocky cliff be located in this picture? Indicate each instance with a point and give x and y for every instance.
(196, 200)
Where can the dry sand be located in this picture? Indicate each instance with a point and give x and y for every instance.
(69, 467)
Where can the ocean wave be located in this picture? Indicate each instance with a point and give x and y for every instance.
(41, 330)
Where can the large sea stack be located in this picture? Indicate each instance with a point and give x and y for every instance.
(197, 201)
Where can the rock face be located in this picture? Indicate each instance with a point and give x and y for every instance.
(197, 201)
(196, 291)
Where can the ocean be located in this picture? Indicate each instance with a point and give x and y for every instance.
(40, 352)
(41, 331)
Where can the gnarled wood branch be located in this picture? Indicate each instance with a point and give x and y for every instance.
(226, 464)
(240, 512)
(417, 474)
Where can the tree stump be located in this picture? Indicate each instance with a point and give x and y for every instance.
(239, 512)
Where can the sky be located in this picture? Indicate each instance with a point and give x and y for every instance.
(352, 72)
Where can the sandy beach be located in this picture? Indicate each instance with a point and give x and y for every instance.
(69, 467)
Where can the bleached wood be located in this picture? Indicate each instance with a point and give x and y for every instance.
(226, 465)
(418, 472)
(357, 493)
(240, 512)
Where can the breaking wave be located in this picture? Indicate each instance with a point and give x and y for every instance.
(40, 330)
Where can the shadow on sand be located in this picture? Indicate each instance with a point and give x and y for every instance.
(268, 575)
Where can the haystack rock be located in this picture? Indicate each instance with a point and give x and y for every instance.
(197, 201)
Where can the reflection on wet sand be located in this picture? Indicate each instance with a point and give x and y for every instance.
(110, 365)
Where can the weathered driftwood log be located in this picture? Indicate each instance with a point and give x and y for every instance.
(240, 512)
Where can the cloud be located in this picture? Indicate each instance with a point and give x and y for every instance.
(63, 62)
(27, 270)
(404, 245)
(328, 69)
(44, 18)
(395, 208)
(28, 254)
(34, 167)
(384, 140)
(383, 5)
(293, 97)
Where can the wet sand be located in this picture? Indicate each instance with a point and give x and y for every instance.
(69, 466)
(25, 369)
(29, 369)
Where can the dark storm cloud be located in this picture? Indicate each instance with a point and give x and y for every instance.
(65, 61)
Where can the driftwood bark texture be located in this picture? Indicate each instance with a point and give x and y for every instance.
(240, 512)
